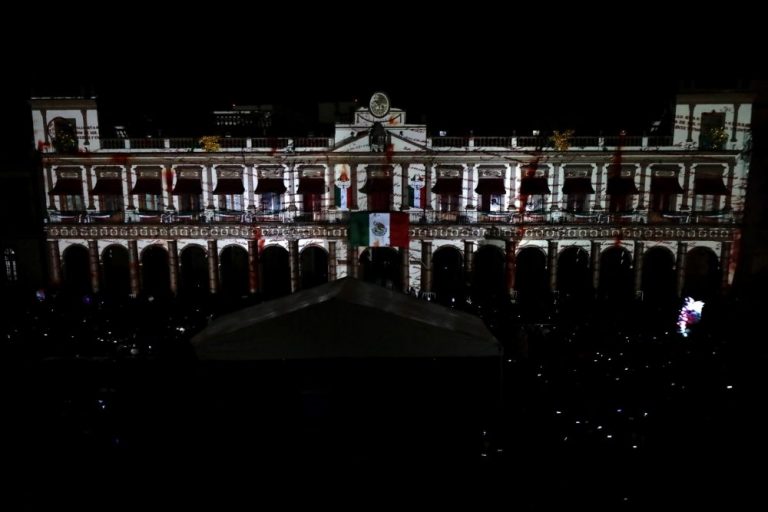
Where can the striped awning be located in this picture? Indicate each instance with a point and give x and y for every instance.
(447, 186)
(149, 186)
(492, 186)
(229, 186)
(534, 186)
(270, 186)
(188, 186)
(108, 187)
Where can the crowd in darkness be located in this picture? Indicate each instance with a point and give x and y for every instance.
(603, 403)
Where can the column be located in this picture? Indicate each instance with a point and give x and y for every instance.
(133, 267)
(248, 185)
(405, 268)
(682, 252)
(129, 174)
(54, 262)
(426, 267)
(404, 193)
(643, 188)
(469, 261)
(428, 184)
(173, 264)
(213, 266)
(686, 186)
(166, 181)
(595, 255)
(729, 186)
(292, 171)
(690, 123)
(509, 270)
(208, 186)
(353, 191)
(90, 177)
(253, 266)
(352, 263)
(556, 187)
(725, 265)
(552, 258)
(293, 262)
(470, 170)
(637, 260)
(328, 195)
(331, 260)
(599, 187)
(49, 202)
(93, 264)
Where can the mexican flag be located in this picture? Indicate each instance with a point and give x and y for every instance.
(417, 198)
(341, 197)
(368, 229)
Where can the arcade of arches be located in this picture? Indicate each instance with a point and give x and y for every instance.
(529, 272)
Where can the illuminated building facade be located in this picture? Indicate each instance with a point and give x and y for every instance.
(627, 216)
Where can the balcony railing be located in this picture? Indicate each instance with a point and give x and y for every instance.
(416, 217)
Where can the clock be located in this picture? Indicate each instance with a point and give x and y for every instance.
(379, 104)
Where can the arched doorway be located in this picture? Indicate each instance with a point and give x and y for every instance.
(76, 270)
(447, 274)
(193, 271)
(574, 278)
(659, 282)
(381, 265)
(155, 274)
(117, 278)
(616, 275)
(488, 279)
(702, 274)
(314, 267)
(275, 272)
(233, 265)
(531, 275)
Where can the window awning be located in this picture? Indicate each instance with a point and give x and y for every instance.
(311, 186)
(578, 186)
(108, 187)
(270, 186)
(148, 186)
(534, 186)
(709, 187)
(188, 186)
(229, 186)
(447, 186)
(377, 185)
(492, 186)
(665, 185)
(68, 187)
(621, 186)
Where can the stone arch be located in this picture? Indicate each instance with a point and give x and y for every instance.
(275, 272)
(193, 270)
(659, 281)
(233, 271)
(488, 276)
(447, 273)
(703, 275)
(76, 271)
(381, 265)
(574, 276)
(116, 276)
(155, 272)
(616, 277)
(531, 277)
(314, 266)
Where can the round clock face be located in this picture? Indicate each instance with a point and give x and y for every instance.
(379, 104)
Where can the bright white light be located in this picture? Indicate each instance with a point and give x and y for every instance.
(729, 387)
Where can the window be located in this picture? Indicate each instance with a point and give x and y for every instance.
(189, 202)
(271, 202)
(712, 130)
(661, 202)
(619, 203)
(706, 203)
(149, 202)
(449, 202)
(111, 203)
(72, 203)
(233, 202)
(9, 258)
(491, 202)
(312, 202)
(576, 203)
(535, 203)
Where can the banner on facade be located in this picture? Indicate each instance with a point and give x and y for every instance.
(368, 229)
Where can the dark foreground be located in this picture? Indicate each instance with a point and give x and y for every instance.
(609, 410)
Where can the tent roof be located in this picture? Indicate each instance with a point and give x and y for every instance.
(347, 318)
